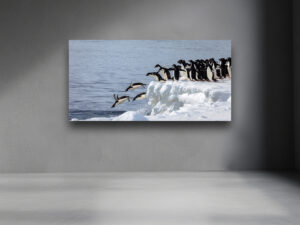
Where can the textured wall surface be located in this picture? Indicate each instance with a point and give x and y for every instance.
(35, 135)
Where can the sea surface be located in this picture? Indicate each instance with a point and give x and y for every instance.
(98, 69)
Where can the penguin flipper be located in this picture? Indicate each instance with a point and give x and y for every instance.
(115, 97)
(114, 105)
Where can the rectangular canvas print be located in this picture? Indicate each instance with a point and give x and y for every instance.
(150, 80)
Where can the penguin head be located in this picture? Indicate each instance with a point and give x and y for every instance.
(148, 74)
(157, 65)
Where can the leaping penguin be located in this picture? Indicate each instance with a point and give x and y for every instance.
(165, 72)
(156, 76)
(140, 96)
(119, 100)
(133, 86)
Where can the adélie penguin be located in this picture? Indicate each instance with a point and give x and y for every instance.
(156, 76)
(193, 71)
(228, 64)
(133, 86)
(177, 70)
(119, 100)
(140, 96)
(166, 75)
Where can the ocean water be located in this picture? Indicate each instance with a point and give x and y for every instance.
(98, 69)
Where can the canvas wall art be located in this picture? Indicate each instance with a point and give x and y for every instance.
(150, 80)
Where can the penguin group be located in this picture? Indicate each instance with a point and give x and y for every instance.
(193, 70)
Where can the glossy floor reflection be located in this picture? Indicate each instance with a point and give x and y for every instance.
(207, 198)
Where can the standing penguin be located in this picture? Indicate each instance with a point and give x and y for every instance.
(202, 69)
(224, 68)
(184, 67)
(210, 73)
(177, 70)
(213, 68)
(228, 64)
(193, 71)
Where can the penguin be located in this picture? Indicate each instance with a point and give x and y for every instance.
(216, 68)
(198, 64)
(156, 76)
(133, 86)
(224, 68)
(193, 70)
(184, 67)
(140, 96)
(219, 71)
(177, 70)
(165, 72)
(203, 70)
(229, 59)
(119, 100)
(213, 63)
(228, 64)
(210, 73)
(188, 72)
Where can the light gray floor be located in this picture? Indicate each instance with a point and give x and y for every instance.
(207, 198)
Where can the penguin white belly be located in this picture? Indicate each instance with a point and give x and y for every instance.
(155, 77)
(164, 75)
(121, 101)
(197, 76)
(215, 74)
(184, 74)
(229, 71)
(141, 97)
(209, 74)
(135, 87)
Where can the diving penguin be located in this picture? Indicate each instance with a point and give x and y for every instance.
(133, 86)
(119, 100)
(165, 72)
(156, 76)
(140, 96)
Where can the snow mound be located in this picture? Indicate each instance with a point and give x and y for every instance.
(127, 116)
(130, 116)
(187, 100)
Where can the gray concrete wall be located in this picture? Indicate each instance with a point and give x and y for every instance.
(296, 56)
(35, 135)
